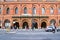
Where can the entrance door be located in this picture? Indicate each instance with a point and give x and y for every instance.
(34, 25)
(16, 25)
(43, 25)
(25, 25)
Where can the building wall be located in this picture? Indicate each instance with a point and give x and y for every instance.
(30, 5)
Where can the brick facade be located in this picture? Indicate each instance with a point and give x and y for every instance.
(39, 18)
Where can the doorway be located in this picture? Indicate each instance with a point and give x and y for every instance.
(34, 25)
(7, 23)
(25, 25)
(43, 25)
(16, 25)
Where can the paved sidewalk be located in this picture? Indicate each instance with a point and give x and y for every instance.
(22, 34)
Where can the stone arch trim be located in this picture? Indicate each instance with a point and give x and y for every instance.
(16, 20)
(33, 5)
(25, 20)
(53, 6)
(16, 6)
(35, 20)
(44, 20)
(43, 5)
(23, 6)
(7, 6)
(53, 20)
(7, 21)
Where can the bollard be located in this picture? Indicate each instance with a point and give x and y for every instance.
(8, 29)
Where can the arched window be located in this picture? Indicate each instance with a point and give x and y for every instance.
(8, 10)
(25, 10)
(16, 10)
(0, 10)
(51, 10)
(34, 10)
(43, 10)
(0, 23)
(59, 10)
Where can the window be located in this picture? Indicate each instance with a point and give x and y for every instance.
(43, 10)
(0, 10)
(25, 10)
(8, 10)
(34, 10)
(16, 10)
(51, 10)
(59, 10)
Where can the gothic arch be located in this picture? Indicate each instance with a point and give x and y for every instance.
(25, 24)
(15, 24)
(35, 24)
(52, 22)
(7, 23)
(43, 23)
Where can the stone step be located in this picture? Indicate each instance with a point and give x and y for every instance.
(21, 30)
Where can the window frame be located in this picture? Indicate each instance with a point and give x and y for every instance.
(34, 10)
(16, 10)
(51, 10)
(43, 10)
(59, 10)
(25, 10)
(7, 10)
(0, 10)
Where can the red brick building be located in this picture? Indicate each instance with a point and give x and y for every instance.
(22, 13)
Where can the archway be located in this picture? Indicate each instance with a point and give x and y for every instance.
(16, 25)
(43, 25)
(25, 25)
(52, 22)
(34, 25)
(7, 23)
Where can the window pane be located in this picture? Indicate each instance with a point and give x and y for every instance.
(43, 10)
(34, 10)
(59, 10)
(0, 10)
(25, 10)
(16, 10)
(7, 10)
(51, 10)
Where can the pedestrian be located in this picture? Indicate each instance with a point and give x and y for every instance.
(53, 29)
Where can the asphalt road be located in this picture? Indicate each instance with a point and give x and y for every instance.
(29, 35)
